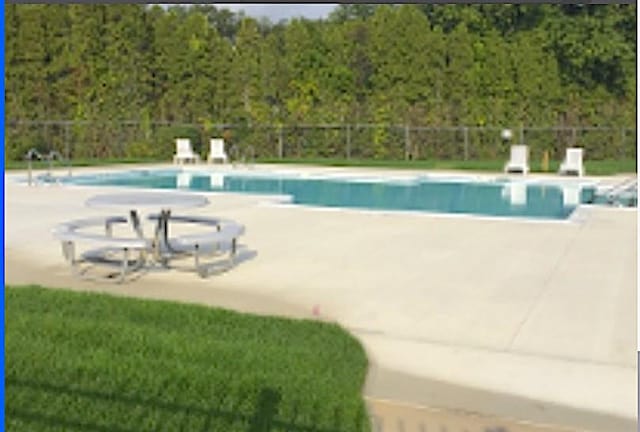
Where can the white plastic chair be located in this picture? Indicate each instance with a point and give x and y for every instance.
(519, 161)
(216, 150)
(572, 163)
(184, 152)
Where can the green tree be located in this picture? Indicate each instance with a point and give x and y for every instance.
(247, 71)
(486, 65)
(459, 90)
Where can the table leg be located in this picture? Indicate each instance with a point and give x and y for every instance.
(161, 237)
(135, 221)
(158, 237)
(165, 215)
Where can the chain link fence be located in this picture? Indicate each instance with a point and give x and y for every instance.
(156, 140)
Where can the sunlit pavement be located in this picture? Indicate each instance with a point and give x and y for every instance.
(527, 321)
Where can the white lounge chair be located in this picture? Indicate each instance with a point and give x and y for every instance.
(216, 150)
(519, 161)
(572, 163)
(184, 152)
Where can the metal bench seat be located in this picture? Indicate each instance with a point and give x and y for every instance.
(127, 254)
(218, 239)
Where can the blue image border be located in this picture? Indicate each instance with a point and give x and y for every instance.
(2, 85)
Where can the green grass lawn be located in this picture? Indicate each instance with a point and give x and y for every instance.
(81, 361)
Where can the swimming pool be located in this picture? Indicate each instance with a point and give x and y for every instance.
(453, 195)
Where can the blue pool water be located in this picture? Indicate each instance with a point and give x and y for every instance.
(489, 198)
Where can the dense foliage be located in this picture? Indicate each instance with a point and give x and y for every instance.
(545, 65)
(80, 361)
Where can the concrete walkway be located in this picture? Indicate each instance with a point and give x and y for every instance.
(529, 321)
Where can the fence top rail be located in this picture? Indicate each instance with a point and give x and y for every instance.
(15, 122)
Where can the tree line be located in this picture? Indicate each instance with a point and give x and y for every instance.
(417, 65)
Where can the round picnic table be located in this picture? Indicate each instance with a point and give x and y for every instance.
(164, 202)
(140, 200)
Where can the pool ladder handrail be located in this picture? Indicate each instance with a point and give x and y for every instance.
(615, 192)
(29, 157)
(53, 155)
(622, 187)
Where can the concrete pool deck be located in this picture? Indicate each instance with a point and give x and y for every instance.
(527, 321)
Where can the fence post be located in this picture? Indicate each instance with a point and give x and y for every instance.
(67, 152)
(573, 136)
(46, 140)
(521, 134)
(466, 142)
(280, 143)
(348, 141)
(407, 144)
